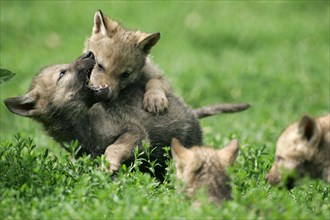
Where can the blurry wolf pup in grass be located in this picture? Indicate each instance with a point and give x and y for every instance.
(68, 109)
(303, 148)
(204, 167)
(122, 58)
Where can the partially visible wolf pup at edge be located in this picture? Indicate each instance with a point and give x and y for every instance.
(59, 99)
(303, 148)
(122, 58)
(205, 167)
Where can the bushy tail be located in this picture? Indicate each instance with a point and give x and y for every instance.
(219, 109)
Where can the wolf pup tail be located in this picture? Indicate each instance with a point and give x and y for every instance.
(219, 109)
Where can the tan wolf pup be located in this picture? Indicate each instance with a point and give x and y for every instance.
(122, 58)
(201, 166)
(303, 148)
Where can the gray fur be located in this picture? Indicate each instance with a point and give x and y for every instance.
(69, 111)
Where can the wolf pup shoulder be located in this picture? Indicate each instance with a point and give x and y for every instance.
(122, 58)
(303, 148)
(205, 167)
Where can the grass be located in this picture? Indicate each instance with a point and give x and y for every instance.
(273, 55)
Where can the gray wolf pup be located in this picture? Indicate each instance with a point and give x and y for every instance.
(206, 167)
(303, 148)
(122, 58)
(59, 99)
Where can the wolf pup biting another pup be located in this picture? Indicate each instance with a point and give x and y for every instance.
(69, 110)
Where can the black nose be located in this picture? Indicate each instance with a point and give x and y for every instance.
(89, 54)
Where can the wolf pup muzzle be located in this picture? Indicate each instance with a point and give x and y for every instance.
(102, 92)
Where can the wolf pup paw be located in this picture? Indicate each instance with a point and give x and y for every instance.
(155, 102)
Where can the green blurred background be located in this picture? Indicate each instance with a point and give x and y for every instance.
(273, 55)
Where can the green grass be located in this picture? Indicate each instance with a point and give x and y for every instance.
(273, 55)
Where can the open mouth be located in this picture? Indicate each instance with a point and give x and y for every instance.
(102, 90)
(98, 90)
(89, 73)
(86, 67)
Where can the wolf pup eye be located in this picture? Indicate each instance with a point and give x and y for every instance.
(125, 74)
(278, 158)
(100, 66)
(61, 74)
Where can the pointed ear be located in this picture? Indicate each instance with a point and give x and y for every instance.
(146, 42)
(103, 25)
(179, 152)
(229, 153)
(99, 26)
(307, 127)
(21, 105)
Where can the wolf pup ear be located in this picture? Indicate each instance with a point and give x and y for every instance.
(307, 128)
(99, 26)
(229, 153)
(21, 105)
(179, 152)
(146, 42)
(104, 25)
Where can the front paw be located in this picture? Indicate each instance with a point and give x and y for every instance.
(112, 171)
(155, 102)
(110, 168)
(114, 167)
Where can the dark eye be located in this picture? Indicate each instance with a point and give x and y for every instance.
(61, 74)
(199, 168)
(125, 74)
(100, 66)
(279, 158)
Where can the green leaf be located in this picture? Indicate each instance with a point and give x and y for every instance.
(6, 75)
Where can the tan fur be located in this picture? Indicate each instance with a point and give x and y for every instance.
(303, 148)
(205, 167)
(122, 58)
(59, 99)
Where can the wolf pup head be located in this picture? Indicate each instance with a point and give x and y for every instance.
(296, 146)
(200, 166)
(54, 90)
(120, 55)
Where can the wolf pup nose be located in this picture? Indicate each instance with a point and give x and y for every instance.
(89, 54)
